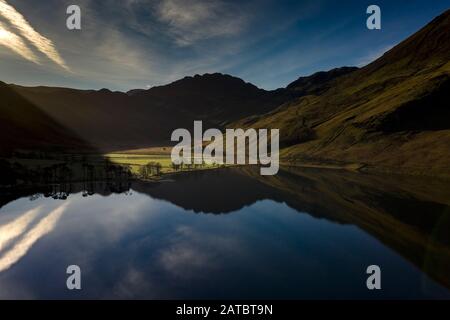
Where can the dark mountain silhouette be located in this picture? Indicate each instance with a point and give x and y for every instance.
(144, 118)
(215, 97)
(107, 119)
(24, 126)
(115, 120)
(405, 213)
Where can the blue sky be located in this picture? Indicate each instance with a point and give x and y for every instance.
(127, 44)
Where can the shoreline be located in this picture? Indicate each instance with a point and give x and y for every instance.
(367, 168)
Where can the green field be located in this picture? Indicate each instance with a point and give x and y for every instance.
(51, 168)
(135, 161)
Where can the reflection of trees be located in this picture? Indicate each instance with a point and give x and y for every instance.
(7, 176)
(35, 197)
(120, 186)
(88, 188)
(107, 177)
(89, 172)
(57, 176)
(117, 172)
(56, 173)
(59, 191)
(14, 172)
(56, 179)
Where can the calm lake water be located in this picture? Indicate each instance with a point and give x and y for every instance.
(230, 234)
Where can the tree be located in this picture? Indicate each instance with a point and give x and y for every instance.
(143, 171)
(158, 168)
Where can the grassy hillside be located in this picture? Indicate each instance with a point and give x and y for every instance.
(392, 114)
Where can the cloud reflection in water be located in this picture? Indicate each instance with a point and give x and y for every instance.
(22, 246)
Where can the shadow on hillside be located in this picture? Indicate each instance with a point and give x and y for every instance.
(36, 150)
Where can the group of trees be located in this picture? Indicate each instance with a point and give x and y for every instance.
(61, 167)
(150, 169)
(186, 166)
(154, 168)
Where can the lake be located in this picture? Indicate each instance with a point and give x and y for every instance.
(229, 234)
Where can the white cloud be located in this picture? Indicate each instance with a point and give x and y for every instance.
(189, 253)
(10, 231)
(16, 44)
(41, 43)
(21, 248)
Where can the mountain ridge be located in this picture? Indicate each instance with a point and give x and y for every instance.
(25, 126)
(147, 117)
(392, 113)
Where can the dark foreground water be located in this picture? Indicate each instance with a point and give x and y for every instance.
(230, 234)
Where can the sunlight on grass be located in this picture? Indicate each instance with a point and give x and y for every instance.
(136, 161)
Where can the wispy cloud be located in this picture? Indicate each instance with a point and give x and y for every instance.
(193, 20)
(187, 256)
(20, 249)
(15, 228)
(41, 43)
(16, 44)
(134, 43)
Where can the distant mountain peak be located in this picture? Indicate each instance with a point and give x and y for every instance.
(199, 82)
(213, 79)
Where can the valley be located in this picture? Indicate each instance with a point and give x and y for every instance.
(389, 116)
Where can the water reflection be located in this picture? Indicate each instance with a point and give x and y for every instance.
(21, 247)
(300, 234)
(15, 228)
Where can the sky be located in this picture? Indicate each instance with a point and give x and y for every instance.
(129, 44)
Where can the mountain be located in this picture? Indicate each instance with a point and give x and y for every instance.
(144, 118)
(215, 97)
(25, 126)
(104, 118)
(392, 114)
